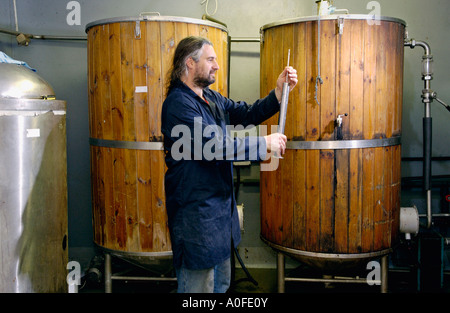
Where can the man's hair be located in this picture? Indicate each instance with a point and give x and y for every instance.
(189, 47)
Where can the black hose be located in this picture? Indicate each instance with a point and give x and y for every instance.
(427, 152)
(249, 277)
(339, 133)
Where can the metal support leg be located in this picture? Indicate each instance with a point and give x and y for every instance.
(280, 272)
(108, 275)
(384, 273)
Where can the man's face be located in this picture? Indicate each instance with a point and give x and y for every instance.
(206, 67)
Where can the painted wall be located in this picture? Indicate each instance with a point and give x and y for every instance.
(64, 65)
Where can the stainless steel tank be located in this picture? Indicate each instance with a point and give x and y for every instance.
(33, 184)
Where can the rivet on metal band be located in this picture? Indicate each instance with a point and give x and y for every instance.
(132, 145)
(343, 144)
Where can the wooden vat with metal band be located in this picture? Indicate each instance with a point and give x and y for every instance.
(334, 199)
(129, 59)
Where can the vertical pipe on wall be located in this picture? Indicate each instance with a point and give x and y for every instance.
(427, 98)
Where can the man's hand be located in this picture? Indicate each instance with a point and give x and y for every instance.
(276, 142)
(292, 80)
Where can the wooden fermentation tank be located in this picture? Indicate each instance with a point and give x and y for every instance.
(129, 59)
(335, 198)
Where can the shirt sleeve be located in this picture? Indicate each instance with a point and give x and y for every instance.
(242, 113)
(190, 135)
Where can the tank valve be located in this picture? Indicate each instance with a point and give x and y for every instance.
(339, 121)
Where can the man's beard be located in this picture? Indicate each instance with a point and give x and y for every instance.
(204, 82)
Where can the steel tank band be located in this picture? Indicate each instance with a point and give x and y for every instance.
(324, 255)
(343, 144)
(132, 145)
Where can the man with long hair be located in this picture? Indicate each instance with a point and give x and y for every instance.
(199, 154)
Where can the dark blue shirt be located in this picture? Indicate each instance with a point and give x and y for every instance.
(199, 152)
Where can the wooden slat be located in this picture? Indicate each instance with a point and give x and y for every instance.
(116, 81)
(387, 196)
(128, 87)
(369, 84)
(355, 201)
(341, 201)
(144, 200)
(399, 80)
(91, 80)
(379, 204)
(381, 85)
(141, 105)
(368, 200)
(328, 88)
(299, 99)
(356, 52)
(118, 211)
(369, 118)
(390, 104)
(98, 219)
(356, 119)
(327, 176)
(396, 188)
(117, 175)
(327, 126)
(276, 216)
(155, 80)
(343, 94)
(160, 229)
(313, 109)
(286, 166)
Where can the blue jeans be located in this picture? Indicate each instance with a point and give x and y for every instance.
(215, 279)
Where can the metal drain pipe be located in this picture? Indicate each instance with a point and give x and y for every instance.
(24, 39)
(427, 98)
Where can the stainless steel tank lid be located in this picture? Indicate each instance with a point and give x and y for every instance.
(156, 18)
(19, 82)
(333, 17)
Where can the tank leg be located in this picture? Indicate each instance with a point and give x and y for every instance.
(108, 279)
(280, 272)
(384, 273)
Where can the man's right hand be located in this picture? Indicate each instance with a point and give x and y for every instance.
(276, 142)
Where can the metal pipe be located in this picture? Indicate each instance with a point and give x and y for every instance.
(348, 280)
(384, 274)
(427, 98)
(212, 19)
(434, 96)
(429, 215)
(24, 39)
(9, 32)
(82, 38)
(50, 37)
(144, 278)
(283, 108)
(280, 272)
(283, 105)
(108, 276)
(436, 215)
(424, 45)
(245, 39)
